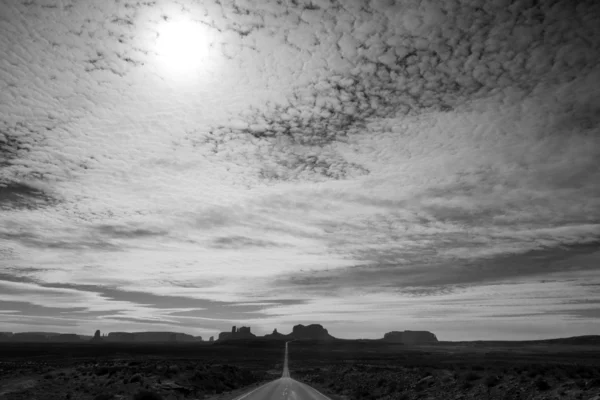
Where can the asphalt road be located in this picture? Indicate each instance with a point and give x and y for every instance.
(284, 388)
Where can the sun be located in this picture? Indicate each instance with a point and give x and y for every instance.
(184, 47)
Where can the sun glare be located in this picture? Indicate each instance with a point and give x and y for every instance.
(184, 47)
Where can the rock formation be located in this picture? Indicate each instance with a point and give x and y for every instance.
(244, 330)
(120, 337)
(277, 336)
(151, 337)
(310, 332)
(5, 336)
(410, 337)
(30, 337)
(97, 337)
(242, 333)
(67, 338)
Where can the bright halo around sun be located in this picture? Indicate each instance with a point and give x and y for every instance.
(184, 48)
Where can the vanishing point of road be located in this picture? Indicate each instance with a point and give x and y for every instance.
(284, 388)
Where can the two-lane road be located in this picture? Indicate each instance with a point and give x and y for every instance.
(284, 388)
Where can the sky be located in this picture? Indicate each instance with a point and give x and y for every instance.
(366, 165)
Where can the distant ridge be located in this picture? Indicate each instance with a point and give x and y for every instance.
(585, 340)
(129, 337)
(299, 332)
(410, 337)
(237, 334)
(151, 337)
(316, 332)
(308, 333)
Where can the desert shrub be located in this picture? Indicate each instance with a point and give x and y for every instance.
(467, 385)
(104, 396)
(362, 392)
(393, 387)
(558, 373)
(478, 368)
(541, 384)
(491, 381)
(427, 381)
(594, 383)
(472, 376)
(135, 378)
(147, 395)
(573, 374)
(532, 372)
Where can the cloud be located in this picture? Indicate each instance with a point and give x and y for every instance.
(21, 195)
(86, 307)
(399, 148)
(234, 242)
(127, 232)
(440, 273)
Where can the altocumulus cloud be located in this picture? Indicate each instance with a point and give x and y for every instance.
(412, 164)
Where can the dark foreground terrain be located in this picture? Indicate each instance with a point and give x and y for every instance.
(451, 371)
(341, 370)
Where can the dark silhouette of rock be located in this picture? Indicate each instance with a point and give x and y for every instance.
(30, 337)
(120, 337)
(51, 337)
(310, 332)
(410, 337)
(151, 337)
(236, 334)
(300, 332)
(97, 337)
(277, 336)
(66, 338)
(5, 336)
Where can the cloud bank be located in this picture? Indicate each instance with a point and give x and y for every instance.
(404, 163)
